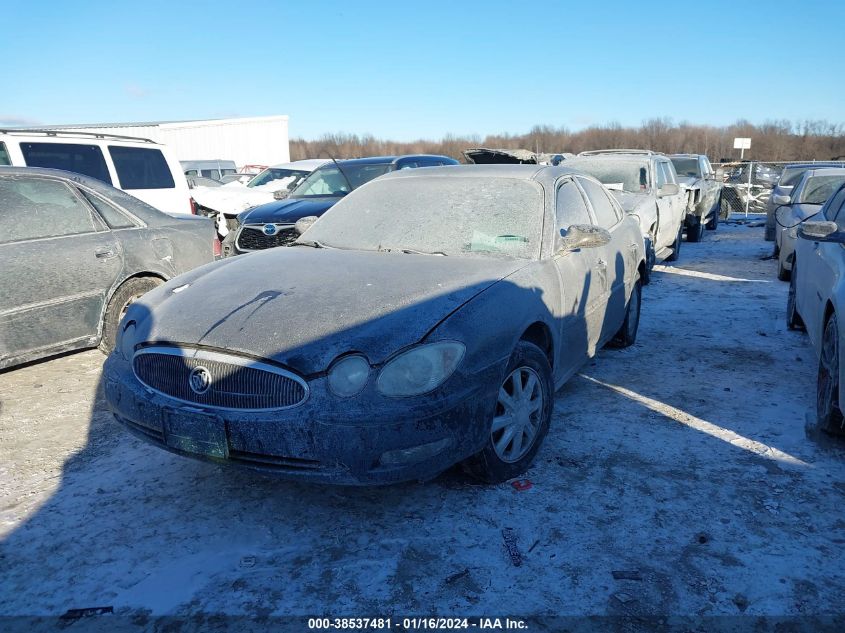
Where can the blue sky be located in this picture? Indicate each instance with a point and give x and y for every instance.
(407, 70)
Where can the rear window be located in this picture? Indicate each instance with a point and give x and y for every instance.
(113, 218)
(81, 159)
(4, 155)
(141, 168)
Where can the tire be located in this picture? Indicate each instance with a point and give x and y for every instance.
(650, 256)
(715, 212)
(827, 386)
(783, 273)
(495, 463)
(793, 319)
(695, 230)
(676, 246)
(130, 290)
(627, 334)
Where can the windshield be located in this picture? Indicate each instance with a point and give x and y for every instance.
(687, 167)
(626, 175)
(287, 177)
(451, 216)
(819, 188)
(329, 181)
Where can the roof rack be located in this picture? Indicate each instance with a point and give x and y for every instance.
(103, 135)
(643, 152)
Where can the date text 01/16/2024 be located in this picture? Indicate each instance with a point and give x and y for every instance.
(416, 624)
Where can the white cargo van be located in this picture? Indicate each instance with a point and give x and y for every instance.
(138, 166)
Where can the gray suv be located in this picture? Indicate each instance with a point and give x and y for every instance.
(703, 189)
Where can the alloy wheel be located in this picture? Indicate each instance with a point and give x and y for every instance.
(518, 414)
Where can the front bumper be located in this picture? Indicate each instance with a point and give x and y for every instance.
(326, 439)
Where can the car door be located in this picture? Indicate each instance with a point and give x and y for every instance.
(580, 287)
(820, 270)
(666, 227)
(58, 264)
(709, 186)
(614, 258)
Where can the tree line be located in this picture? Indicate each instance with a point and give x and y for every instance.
(770, 141)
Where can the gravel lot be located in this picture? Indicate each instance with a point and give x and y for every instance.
(686, 461)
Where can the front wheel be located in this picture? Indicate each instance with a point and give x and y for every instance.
(827, 387)
(521, 418)
(695, 229)
(627, 334)
(676, 246)
(793, 319)
(128, 292)
(715, 212)
(783, 273)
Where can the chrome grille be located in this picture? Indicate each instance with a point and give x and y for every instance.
(253, 238)
(230, 382)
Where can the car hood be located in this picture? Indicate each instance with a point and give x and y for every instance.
(231, 200)
(688, 182)
(631, 201)
(287, 211)
(303, 307)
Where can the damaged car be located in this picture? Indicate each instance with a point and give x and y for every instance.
(226, 202)
(425, 320)
(76, 253)
(272, 224)
(703, 187)
(646, 185)
(487, 156)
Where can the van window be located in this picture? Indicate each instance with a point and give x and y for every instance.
(87, 160)
(38, 207)
(141, 168)
(4, 155)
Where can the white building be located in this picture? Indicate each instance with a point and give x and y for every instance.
(247, 141)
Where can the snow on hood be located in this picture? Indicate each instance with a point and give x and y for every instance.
(303, 307)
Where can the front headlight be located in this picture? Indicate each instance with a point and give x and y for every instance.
(420, 369)
(348, 376)
(126, 340)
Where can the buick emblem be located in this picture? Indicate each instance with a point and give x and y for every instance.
(199, 380)
(269, 229)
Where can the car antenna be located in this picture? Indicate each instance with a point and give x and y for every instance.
(342, 173)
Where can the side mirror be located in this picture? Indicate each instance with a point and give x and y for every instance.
(781, 199)
(669, 189)
(583, 236)
(303, 224)
(821, 231)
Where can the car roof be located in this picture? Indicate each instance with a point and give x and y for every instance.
(818, 163)
(512, 171)
(386, 160)
(824, 171)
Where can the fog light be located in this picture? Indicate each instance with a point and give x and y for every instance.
(414, 454)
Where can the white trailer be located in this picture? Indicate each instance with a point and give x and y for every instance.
(247, 141)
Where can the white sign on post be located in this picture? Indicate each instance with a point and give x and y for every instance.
(742, 144)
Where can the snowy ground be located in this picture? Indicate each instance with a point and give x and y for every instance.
(685, 459)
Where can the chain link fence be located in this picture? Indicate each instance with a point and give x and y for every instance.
(748, 185)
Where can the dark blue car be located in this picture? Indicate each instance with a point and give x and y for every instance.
(272, 224)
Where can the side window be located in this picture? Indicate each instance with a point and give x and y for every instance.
(570, 207)
(606, 216)
(141, 168)
(671, 174)
(34, 208)
(840, 215)
(81, 159)
(4, 155)
(114, 218)
(706, 170)
(660, 175)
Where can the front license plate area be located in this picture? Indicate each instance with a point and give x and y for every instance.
(195, 432)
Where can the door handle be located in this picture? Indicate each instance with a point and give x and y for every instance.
(106, 254)
(601, 263)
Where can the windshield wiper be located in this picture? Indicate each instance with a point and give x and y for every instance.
(410, 251)
(311, 243)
